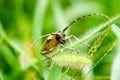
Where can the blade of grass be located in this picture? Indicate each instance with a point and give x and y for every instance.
(99, 28)
(9, 57)
(55, 72)
(58, 14)
(96, 45)
(104, 55)
(116, 30)
(39, 16)
(62, 76)
(1, 76)
(115, 72)
(18, 8)
(12, 43)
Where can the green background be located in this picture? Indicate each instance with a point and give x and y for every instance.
(22, 21)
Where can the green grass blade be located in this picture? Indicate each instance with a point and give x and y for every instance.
(55, 72)
(64, 73)
(11, 42)
(39, 15)
(104, 55)
(115, 72)
(1, 76)
(58, 14)
(9, 57)
(99, 28)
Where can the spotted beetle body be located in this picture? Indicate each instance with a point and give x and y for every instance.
(53, 41)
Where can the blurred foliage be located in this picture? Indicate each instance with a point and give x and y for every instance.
(22, 21)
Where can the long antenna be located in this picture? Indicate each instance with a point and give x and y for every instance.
(96, 14)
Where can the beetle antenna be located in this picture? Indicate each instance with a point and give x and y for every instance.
(96, 14)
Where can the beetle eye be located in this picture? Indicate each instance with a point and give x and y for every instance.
(64, 35)
(57, 36)
(49, 40)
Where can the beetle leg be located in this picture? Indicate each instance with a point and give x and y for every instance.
(70, 41)
(72, 36)
(49, 58)
(69, 48)
(69, 38)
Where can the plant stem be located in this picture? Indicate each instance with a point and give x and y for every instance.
(104, 25)
(64, 73)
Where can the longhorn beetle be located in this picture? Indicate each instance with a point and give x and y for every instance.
(58, 38)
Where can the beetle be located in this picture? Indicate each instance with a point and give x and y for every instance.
(58, 38)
